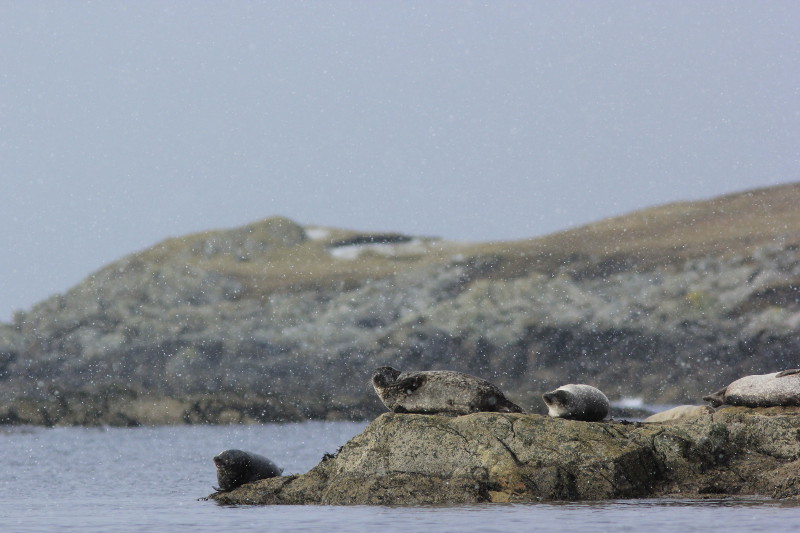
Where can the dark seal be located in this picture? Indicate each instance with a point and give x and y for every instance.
(577, 402)
(438, 392)
(236, 467)
(762, 390)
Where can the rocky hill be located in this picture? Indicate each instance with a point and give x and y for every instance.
(278, 321)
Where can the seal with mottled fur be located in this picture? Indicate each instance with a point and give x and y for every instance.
(577, 402)
(438, 392)
(762, 390)
(236, 467)
(680, 412)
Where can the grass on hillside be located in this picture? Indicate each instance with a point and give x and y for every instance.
(735, 224)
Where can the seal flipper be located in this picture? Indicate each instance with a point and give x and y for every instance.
(716, 399)
(788, 373)
(507, 406)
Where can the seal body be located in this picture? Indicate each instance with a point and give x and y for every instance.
(438, 392)
(237, 467)
(762, 390)
(679, 412)
(577, 402)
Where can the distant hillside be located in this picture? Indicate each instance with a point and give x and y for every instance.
(276, 321)
(723, 227)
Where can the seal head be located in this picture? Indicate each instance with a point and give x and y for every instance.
(761, 390)
(385, 376)
(237, 467)
(577, 402)
(438, 392)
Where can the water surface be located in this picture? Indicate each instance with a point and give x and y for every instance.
(152, 479)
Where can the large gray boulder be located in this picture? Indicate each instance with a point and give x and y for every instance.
(405, 459)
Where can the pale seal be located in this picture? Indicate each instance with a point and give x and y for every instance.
(762, 390)
(577, 402)
(680, 412)
(236, 467)
(438, 391)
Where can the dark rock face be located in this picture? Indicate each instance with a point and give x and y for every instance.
(404, 459)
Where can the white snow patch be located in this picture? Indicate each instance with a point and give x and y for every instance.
(399, 249)
(316, 233)
(347, 252)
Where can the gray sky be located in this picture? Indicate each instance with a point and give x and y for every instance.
(124, 123)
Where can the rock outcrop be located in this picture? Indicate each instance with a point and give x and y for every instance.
(667, 304)
(404, 459)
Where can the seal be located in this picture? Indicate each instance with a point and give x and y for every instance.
(679, 412)
(236, 467)
(438, 392)
(577, 402)
(761, 390)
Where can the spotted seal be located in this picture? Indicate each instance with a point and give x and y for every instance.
(577, 402)
(679, 412)
(236, 467)
(762, 390)
(438, 392)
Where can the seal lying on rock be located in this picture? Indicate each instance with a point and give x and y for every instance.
(762, 390)
(438, 391)
(682, 411)
(577, 402)
(236, 467)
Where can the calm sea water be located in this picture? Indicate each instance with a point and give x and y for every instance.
(151, 479)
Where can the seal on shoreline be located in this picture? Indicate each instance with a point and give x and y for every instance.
(761, 390)
(679, 412)
(237, 467)
(438, 392)
(577, 402)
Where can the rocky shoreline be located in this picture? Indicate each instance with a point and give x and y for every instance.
(129, 408)
(407, 459)
(666, 305)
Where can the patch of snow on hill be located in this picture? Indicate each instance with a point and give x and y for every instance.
(316, 233)
(412, 247)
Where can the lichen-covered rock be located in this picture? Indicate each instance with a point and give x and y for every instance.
(274, 308)
(406, 459)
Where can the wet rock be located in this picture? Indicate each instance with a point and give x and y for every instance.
(404, 459)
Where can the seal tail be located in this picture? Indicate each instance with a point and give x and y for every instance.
(510, 407)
